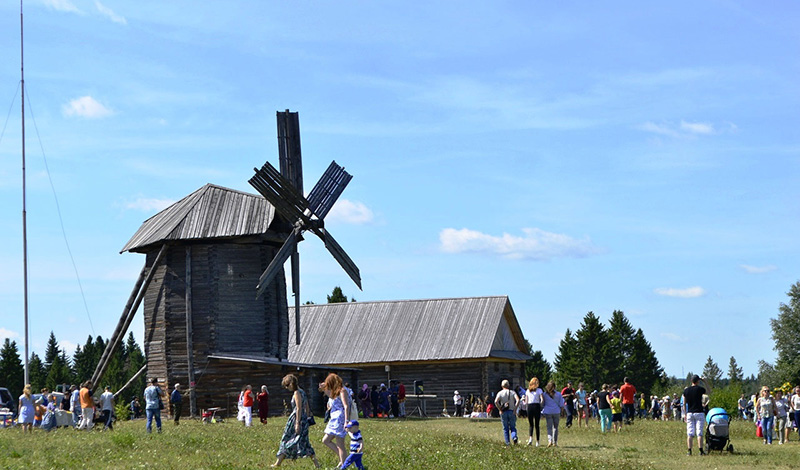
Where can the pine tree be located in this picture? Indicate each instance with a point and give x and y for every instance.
(643, 368)
(711, 371)
(83, 361)
(12, 372)
(786, 334)
(566, 359)
(592, 353)
(337, 296)
(735, 373)
(134, 360)
(620, 340)
(537, 366)
(37, 373)
(58, 373)
(52, 351)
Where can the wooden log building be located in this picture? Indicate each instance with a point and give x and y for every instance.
(465, 344)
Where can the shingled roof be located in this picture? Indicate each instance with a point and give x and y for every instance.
(407, 330)
(210, 212)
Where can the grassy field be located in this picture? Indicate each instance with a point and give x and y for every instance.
(433, 444)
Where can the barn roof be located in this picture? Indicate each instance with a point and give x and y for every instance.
(407, 330)
(210, 212)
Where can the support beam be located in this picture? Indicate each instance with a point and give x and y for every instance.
(127, 317)
(189, 344)
(135, 376)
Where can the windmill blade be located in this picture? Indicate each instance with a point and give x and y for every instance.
(289, 246)
(328, 189)
(346, 263)
(280, 193)
(296, 292)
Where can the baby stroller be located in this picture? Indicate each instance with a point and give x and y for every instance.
(717, 429)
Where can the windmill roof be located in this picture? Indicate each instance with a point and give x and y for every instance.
(210, 212)
(407, 330)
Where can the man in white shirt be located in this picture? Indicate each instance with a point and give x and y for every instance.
(107, 404)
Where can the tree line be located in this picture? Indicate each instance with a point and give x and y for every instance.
(56, 368)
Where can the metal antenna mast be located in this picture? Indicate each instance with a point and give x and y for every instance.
(24, 212)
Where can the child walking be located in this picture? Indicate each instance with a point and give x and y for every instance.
(356, 446)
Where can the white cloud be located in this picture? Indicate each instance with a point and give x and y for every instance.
(4, 333)
(674, 337)
(62, 5)
(68, 347)
(149, 204)
(535, 244)
(687, 129)
(758, 269)
(351, 212)
(105, 11)
(687, 293)
(697, 127)
(87, 107)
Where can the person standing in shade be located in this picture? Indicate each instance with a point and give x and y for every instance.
(533, 402)
(401, 396)
(107, 405)
(628, 395)
(458, 401)
(507, 401)
(75, 405)
(176, 400)
(87, 406)
(153, 404)
(693, 413)
(568, 393)
(263, 404)
(553, 404)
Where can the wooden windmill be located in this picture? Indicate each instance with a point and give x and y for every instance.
(284, 190)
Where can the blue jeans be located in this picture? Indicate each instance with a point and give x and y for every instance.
(153, 413)
(509, 420)
(767, 425)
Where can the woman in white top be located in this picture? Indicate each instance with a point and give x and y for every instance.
(765, 408)
(781, 417)
(533, 402)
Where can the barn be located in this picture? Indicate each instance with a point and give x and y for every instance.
(466, 344)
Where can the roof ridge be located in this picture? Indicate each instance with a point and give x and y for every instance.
(408, 300)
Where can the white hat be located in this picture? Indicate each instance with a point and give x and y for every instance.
(456, 392)
(177, 385)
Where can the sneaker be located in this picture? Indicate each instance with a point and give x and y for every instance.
(516, 441)
(702, 452)
(689, 453)
(530, 440)
(537, 443)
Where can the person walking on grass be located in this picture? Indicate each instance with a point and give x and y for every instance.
(507, 401)
(568, 393)
(87, 406)
(628, 395)
(294, 442)
(107, 404)
(583, 410)
(781, 417)
(533, 403)
(263, 404)
(693, 413)
(340, 411)
(153, 404)
(604, 408)
(176, 400)
(766, 410)
(616, 411)
(794, 405)
(553, 405)
(26, 409)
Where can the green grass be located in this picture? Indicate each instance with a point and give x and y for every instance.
(434, 444)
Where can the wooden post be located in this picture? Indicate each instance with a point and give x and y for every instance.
(127, 317)
(189, 345)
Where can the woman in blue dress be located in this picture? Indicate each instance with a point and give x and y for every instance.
(340, 410)
(26, 409)
(294, 442)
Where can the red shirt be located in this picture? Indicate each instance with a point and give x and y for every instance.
(247, 399)
(401, 393)
(627, 391)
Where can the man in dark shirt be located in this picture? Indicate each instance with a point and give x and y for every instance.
(568, 393)
(177, 403)
(693, 413)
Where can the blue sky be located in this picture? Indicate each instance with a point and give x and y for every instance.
(573, 157)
